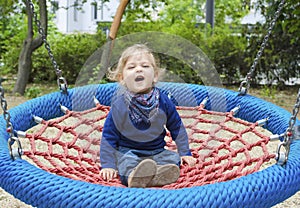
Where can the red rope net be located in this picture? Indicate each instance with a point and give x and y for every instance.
(225, 147)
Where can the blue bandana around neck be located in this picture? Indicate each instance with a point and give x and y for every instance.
(142, 106)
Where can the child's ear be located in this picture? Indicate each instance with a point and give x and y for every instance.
(120, 77)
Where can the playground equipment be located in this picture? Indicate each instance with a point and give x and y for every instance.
(68, 174)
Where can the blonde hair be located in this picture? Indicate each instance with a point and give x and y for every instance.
(115, 73)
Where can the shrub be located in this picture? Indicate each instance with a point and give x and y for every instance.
(70, 53)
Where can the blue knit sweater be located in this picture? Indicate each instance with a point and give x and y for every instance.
(119, 130)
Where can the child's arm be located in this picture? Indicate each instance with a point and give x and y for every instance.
(179, 134)
(108, 148)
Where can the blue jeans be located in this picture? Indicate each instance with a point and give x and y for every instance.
(128, 159)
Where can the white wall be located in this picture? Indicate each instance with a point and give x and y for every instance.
(72, 20)
(254, 16)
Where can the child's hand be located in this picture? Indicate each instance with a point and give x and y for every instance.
(188, 160)
(108, 173)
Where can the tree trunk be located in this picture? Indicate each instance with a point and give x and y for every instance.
(24, 67)
(29, 45)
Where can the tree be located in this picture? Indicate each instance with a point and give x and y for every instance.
(226, 47)
(5, 8)
(280, 59)
(30, 44)
(186, 19)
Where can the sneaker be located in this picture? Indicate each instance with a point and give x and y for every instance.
(142, 174)
(166, 174)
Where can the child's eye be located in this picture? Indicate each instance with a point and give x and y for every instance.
(146, 65)
(130, 67)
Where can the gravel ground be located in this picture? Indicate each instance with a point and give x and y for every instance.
(7, 200)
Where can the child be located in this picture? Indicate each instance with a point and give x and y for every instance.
(132, 142)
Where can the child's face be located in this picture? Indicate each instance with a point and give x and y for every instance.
(138, 74)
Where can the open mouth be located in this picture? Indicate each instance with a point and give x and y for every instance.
(139, 78)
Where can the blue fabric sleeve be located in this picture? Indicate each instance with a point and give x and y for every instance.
(108, 146)
(177, 129)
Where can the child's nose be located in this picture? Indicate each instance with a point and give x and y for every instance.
(139, 69)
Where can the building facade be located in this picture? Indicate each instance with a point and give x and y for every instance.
(71, 17)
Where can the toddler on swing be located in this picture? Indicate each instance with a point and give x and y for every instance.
(132, 144)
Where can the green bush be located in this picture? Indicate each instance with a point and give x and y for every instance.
(225, 46)
(69, 51)
(226, 49)
(11, 40)
(231, 48)
(33, 92)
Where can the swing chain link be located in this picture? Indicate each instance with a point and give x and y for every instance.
(12, 139)
(295, 113)
(61, 81)
(288, 135)
(245, 85)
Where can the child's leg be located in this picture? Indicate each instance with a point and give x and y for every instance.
(167, 157)
(130, 165)
(127, 161)
(142, 174)
(167, 169)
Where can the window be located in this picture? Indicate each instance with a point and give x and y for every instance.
(94, 10)
(75, 14)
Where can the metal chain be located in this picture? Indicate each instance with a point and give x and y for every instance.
(288, 136)
(61, 81)
(12, 139)
(294, 114)
(245, 85)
